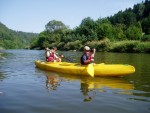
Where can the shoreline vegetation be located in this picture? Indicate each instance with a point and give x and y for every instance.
(126, 31)
(126, 46)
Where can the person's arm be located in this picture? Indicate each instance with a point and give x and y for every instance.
(94, 51)
(56, 56)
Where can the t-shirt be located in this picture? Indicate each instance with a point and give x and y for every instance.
(83, 58)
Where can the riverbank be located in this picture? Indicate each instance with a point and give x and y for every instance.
(126, 46)
(105, 45)
(130, 47)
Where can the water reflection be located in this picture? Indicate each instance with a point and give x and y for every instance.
(89, 86)
(52, 81)
(2, 60)
(87, 92)
(2, 76)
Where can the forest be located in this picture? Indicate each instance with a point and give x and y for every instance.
(10, 39)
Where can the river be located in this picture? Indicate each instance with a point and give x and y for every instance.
(27, 89)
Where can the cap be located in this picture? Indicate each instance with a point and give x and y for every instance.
(47, 49)
(87, 48)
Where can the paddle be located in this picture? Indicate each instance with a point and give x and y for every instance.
(90, 70)
(62, 56)
(68, 59)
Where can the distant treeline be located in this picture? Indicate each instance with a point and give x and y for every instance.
(126, 31)
(10, 39)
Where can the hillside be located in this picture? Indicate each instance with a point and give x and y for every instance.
(140, 13)
(10, 39)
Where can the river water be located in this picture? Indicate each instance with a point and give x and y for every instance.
(27, 89)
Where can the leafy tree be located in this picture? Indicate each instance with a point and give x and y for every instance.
(87, 28)
(134, 32)
(146, 25)
(118, 32)
(104, 28)
(54, 26)
(138, 10)
(129, 18)
(146, 12)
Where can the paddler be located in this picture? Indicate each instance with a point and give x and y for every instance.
(51, 55)
(86, 57)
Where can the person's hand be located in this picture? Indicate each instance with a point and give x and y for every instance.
(92, 60)
(61, 56)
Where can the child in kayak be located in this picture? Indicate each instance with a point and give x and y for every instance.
(47, 53)
(51, 55)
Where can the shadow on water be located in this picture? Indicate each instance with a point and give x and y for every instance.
(89, 86)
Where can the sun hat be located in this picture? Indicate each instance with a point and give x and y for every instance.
(87, 48)
(47, 49)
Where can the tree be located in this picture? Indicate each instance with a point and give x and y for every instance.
(134, 32)
(103, 28)
(54, 25)
(118, 32)
(138, 10)
(129, 18)
(146, 12)
(146, 25)
(119, 17)
(87, 28)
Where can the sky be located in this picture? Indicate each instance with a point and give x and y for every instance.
(33, 15)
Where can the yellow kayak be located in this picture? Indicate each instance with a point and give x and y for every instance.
(90, 70)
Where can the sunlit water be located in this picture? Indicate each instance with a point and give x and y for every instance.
(27, 89)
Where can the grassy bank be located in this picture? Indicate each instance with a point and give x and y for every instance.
(128, 46)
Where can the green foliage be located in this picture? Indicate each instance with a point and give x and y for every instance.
(145, 38)
(139, 10)
(87, 28)
(133, 32)
(147, 8)
(102, 45)
(73, 45)
(118, 32)
(123, 46)
(55, 26)
(143, 47)
(130, 46)
(146, 25)
(10, 39)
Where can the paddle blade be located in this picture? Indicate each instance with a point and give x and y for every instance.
(90, 70)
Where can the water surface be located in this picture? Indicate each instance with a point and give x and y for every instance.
(27, 89)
